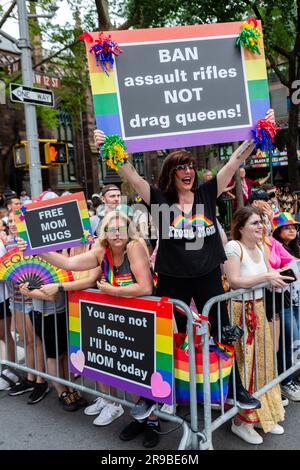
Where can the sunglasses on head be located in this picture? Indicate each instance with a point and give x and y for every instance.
(185, 167)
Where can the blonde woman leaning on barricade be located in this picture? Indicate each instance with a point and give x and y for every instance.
(247, 267)
(50, 322)
(130, 269)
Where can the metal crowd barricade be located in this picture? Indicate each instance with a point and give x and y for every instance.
(288, 309)
(191, 438)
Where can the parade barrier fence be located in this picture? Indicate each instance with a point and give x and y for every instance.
(284, 315)
(191, 438)
(198, 428)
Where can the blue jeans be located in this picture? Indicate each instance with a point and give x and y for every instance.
(291, 326)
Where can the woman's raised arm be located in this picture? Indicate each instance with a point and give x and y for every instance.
(128, 171)
(225, 175)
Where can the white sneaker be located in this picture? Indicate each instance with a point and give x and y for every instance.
(247, 433)
(96, 407)
(4, 385)
(291, 391)
(108, 414)
(276, 429)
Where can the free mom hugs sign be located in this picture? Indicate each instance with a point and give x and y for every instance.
(54, 224)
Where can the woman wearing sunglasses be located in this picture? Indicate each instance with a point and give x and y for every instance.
(286, 232)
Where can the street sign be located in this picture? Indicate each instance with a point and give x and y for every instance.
(46, 80)
(24, 94)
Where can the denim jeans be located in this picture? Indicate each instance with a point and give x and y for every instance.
(291, 327)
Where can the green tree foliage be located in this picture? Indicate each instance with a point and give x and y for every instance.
(66, 54)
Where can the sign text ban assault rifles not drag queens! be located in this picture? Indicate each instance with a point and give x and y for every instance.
(180, 87)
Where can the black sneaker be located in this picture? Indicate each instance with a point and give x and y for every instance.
(79, 400)
(22, 386)
(142, 409)
(151, 438)
(38, 393)
(244, 400)
(67, 401)
(132, 430)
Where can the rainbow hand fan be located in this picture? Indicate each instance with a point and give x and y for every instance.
(18, 269)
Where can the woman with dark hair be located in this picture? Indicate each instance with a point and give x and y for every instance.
(246, 267)
(124, 271)
(190, 250)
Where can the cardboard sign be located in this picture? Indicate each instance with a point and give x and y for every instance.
(54, 224)
(127, 343)
(178, 87)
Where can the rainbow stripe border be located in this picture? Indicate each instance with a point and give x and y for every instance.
(84, 215)
(105, 95)
(164, 339)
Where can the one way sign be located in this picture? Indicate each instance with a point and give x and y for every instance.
(24, 94)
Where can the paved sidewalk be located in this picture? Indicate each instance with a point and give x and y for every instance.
(46, 426)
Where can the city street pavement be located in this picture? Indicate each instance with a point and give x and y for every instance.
(46, 426)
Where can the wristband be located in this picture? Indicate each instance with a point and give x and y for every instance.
(61, 287)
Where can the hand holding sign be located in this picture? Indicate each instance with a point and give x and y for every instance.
(22, 244)
(99, 137)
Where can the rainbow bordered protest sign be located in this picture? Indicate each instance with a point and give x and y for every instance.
(180, 87)
(54, 224)
(126, 343)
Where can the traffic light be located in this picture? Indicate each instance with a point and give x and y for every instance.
(20, 152)
(56, 153)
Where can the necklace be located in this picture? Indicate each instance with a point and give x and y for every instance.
(116, 270)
